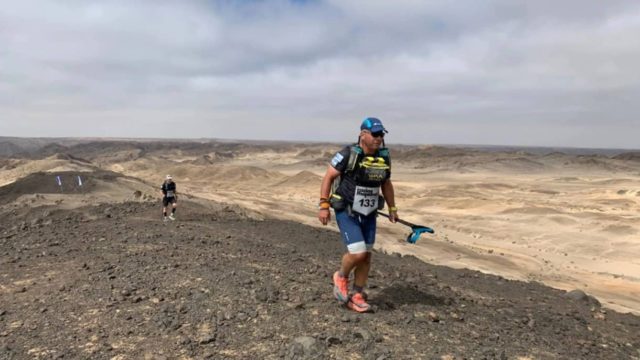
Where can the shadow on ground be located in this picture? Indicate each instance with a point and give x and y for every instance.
(405, 294)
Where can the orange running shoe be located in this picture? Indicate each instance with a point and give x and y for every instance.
(340, 287)
(357, 303)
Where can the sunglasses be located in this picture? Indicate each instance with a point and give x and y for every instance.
(377, 134)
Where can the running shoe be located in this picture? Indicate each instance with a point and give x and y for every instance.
(172, 217)
(340, 287)
(357, 303)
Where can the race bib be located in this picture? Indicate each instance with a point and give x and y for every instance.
(365, 200)
(170, 193)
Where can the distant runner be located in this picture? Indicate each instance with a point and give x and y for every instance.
(358, 173)
(169, 196)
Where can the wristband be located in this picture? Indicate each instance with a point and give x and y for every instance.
(393, 208)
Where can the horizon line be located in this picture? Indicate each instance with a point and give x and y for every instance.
(458, 145)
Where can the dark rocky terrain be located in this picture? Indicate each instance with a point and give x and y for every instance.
(114, 282)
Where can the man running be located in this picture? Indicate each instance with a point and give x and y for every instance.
(169, 195)
(361, 171)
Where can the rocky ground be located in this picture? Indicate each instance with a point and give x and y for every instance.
(115, 282)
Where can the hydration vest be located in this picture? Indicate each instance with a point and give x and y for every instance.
(371, 171)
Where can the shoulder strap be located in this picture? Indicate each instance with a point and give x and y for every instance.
(353, 157)
(384, 153)
(354, 151)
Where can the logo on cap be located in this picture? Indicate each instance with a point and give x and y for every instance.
(372, 124)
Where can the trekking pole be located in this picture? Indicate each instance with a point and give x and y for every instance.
(416, 230)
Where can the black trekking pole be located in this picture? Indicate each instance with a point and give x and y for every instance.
(416, 230)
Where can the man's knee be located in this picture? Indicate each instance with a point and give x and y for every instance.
(367, 258)
(363, 258)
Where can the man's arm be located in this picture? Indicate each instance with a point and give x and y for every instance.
(327, 180)
(389, 196)
(324, 215)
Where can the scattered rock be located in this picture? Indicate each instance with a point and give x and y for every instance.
(434, 317)
(333, 340)
(207, 338)
(363, 334)
(581, 296)
(305, 347)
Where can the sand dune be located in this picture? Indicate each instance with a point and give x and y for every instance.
(532, 210)
(303, 179)
(632, 156)
(243, 173)
(620, 229)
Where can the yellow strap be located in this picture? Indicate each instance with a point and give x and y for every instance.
(377, 163)
(375, 166)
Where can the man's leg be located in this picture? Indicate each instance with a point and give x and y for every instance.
(351, 261)
(173, 208)
(362, 271)
(357, 301)
(368, 226)
(357, 252)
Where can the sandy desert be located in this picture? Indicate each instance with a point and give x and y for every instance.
(568, 221)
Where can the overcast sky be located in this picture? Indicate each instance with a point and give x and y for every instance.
(548, 73)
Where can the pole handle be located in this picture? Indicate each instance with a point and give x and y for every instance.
(399, 220)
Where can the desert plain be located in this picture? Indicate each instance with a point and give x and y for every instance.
(570, 221)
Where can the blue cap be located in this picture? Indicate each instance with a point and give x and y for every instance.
(372, 124)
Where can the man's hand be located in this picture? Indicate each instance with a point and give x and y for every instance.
(324, 215)
(393, 216)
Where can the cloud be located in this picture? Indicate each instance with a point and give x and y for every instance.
(437, 71)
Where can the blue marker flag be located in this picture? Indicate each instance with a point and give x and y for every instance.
(58, 180)
(79, 181)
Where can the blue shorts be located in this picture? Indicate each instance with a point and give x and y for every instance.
(358, 231)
